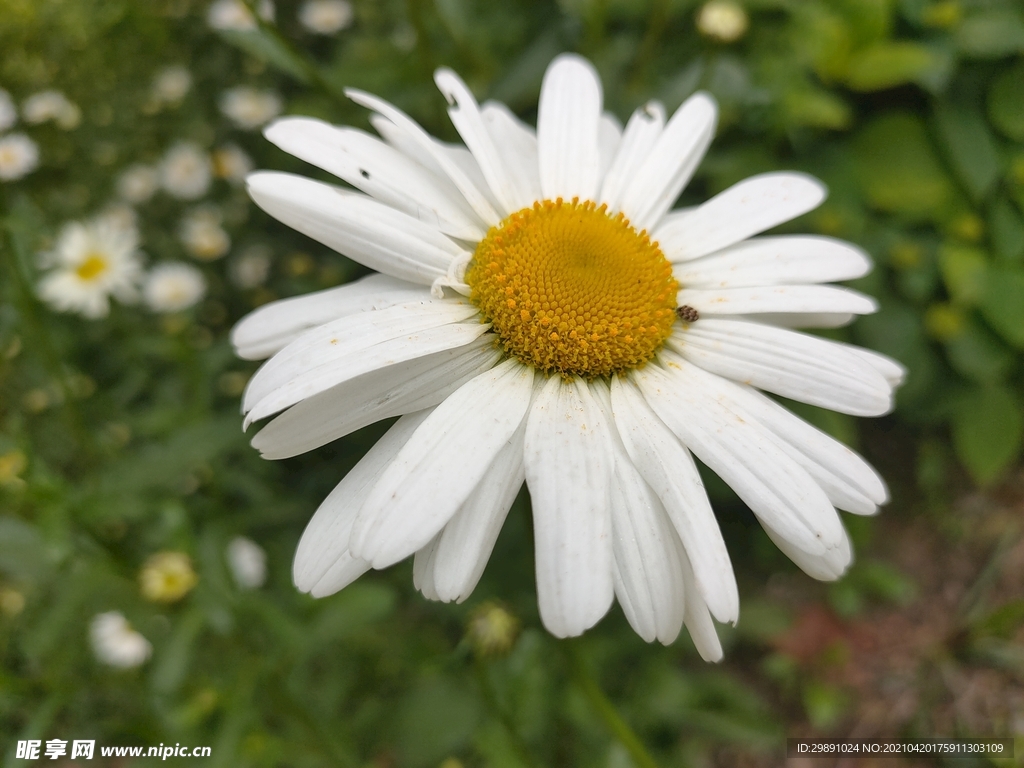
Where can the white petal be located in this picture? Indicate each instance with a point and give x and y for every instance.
(415, 135)
(467, 540)
(351, 346)
(777, 298)
(379, 170)
(668, 468)
(698, 619)
(609, 136)
(271, 327)
(517, 142)
(423, 568)
(827, 567)
(891, 370)
(799, 319)
(568, 470)
(641, 133)
(744, 209)
(441, 465)
(789, 363)
(567, 129)
(372, 233)
(775, 487)
(324, 543)
(778, 260)
(390, 391)
(670, 163)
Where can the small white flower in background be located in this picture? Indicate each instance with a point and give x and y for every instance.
(121, 216)
(115, 642)
(249, 108)
(233, 15)
(251, 267)
(325, 17)
(231, 163)
(172, 84)
(51, 105)
(8, 112)
(542, 314)
(186, 171)
(19, 156)
(173, 286)
(202, 234)
(91, 262)
(722, 20)
(138, 183)
(248, 562)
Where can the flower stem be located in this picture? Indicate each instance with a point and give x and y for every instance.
(606, 710)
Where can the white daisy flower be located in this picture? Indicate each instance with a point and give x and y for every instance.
(251, 268)
(186, 171)
(173, 286)
(231, 163)
(172, 84)
(19, 156)
(91, 262)
(115, 642)
(8, 112)
(51, 105)
(325, 17)
(249, 108)
(138, 183)
(248, 562)
(202, 234)
(542, 315)
(233, 15)
(722, 20)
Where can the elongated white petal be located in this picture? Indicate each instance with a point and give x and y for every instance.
(891, 370)
(390, 391)
(416, 136)
(441, 465)
(775, 487)
(322, 560)
(354, 345)
(609, 135)
(649, 576)
(372, 233)
(799, 319)
(827, 567)
(468, 120)
(423, 568)
(789, 363)
(380, 171)
(788, 299)
(671, 162)
(271, 327)
(666, 465)
(642, 131)
(744, 209)
(568, 470)
(567, 129)
(776, 260)
(466, 542)
(698, 619)
(517, 142)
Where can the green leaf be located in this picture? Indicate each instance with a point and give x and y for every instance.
(1006, 102)
(976, 354)
(970, 147)
(988, 428)
(964, 271)
(897, 167)
(1003, 304)
(267, 48)
(817, 108)
(436, 719)
(889, 64)
(991, 34)
(1007, 230)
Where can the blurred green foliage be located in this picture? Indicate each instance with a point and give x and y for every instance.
(120, 438)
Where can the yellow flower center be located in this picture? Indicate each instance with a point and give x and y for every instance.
(92, 266)
(573, 290)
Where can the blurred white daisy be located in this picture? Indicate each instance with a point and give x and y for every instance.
(325, 17)
(233, 15)
(722, 20)
(138, 183)
(8, 112)
(231, 163)
(542, 314)
(249, 108)
(91, 262)
(173, 286)
(248, 562)
(115, 642)
(186, 171)
(19, 156)
(120, 215)
(51, 105)
(202, 234)
(251, 267)
(172, 84)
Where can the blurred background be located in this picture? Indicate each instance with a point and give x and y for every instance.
(145, 549)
